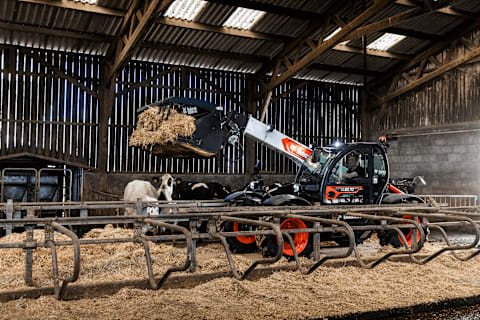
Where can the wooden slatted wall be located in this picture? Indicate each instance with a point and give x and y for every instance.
(48, 105)
(450, 99)
(314, 113)
(143, 83)
(317, 113)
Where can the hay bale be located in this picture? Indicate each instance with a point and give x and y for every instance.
(152, 130)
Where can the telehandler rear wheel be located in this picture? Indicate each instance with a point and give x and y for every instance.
(393, 238)
(303, 242)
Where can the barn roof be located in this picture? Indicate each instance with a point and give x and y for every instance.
(286, 31)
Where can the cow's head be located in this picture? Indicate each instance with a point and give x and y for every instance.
(153, 211)
(165, 191)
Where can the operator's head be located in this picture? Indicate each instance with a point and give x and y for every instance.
(353, 161)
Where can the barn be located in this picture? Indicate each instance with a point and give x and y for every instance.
(297, 159)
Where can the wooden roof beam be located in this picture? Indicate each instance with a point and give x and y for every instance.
(374, 53)
(456, 34)
(414, 34)
(134, 27)
(222, 30)
(431, 75)
(310, 57)
(73, 5)
(296, 44)
(251, 58)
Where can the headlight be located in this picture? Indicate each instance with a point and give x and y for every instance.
(251, 185)
(296, 187)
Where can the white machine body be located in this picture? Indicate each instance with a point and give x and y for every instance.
(276, 140)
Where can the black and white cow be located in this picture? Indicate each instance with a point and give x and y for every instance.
(187, 190)
(218, 191)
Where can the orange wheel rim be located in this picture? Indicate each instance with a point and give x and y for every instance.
(408, 236)
(243, 239)
(300, 240)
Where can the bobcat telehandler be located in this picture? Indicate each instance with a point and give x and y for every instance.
(324, 176)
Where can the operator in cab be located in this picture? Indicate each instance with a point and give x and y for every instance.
(354, 168)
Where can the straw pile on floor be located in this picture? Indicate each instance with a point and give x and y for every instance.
(106, 262)
(284, 295)
(152, 130)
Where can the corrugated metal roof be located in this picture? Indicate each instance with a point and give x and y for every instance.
(335, 57)
(279, 25)
(269, 49)
(373, 63)
(7, 9)
(467, 6)
(53, 43)
(194, 60)
(434, 23)
(59, 18)
(115, 4)
(215, 14)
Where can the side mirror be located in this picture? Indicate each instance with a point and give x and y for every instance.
(419, 181)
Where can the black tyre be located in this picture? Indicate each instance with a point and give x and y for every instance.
(393, 238)
(360, 235)
(303, 241)
(240, 244)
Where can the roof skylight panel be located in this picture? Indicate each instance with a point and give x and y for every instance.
(332, 34)
(385, 42)
(243, 18)
(185, 9)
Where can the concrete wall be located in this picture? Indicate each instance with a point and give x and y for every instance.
(449, 159)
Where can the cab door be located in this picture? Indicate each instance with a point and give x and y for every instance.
(358, 175)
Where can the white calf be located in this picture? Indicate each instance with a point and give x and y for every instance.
(140, 189)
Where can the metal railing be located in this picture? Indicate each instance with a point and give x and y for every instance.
(413, 219)
(451, 200)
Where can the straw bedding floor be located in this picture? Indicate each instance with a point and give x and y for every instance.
(284, 295)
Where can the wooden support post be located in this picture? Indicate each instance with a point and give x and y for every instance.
(251, 92)
(194, 230)
(9, 216)
(250, 158)
(30, 245)
(249, 144)
(316, 243)
(365, 123)
(106, 100)
(364, 93)
(266, 102)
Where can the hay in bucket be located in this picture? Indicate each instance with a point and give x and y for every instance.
(153, 130)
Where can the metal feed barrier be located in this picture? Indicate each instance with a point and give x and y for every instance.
(415, 218)
(450, 200)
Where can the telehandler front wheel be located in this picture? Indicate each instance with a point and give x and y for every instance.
(239, 244)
